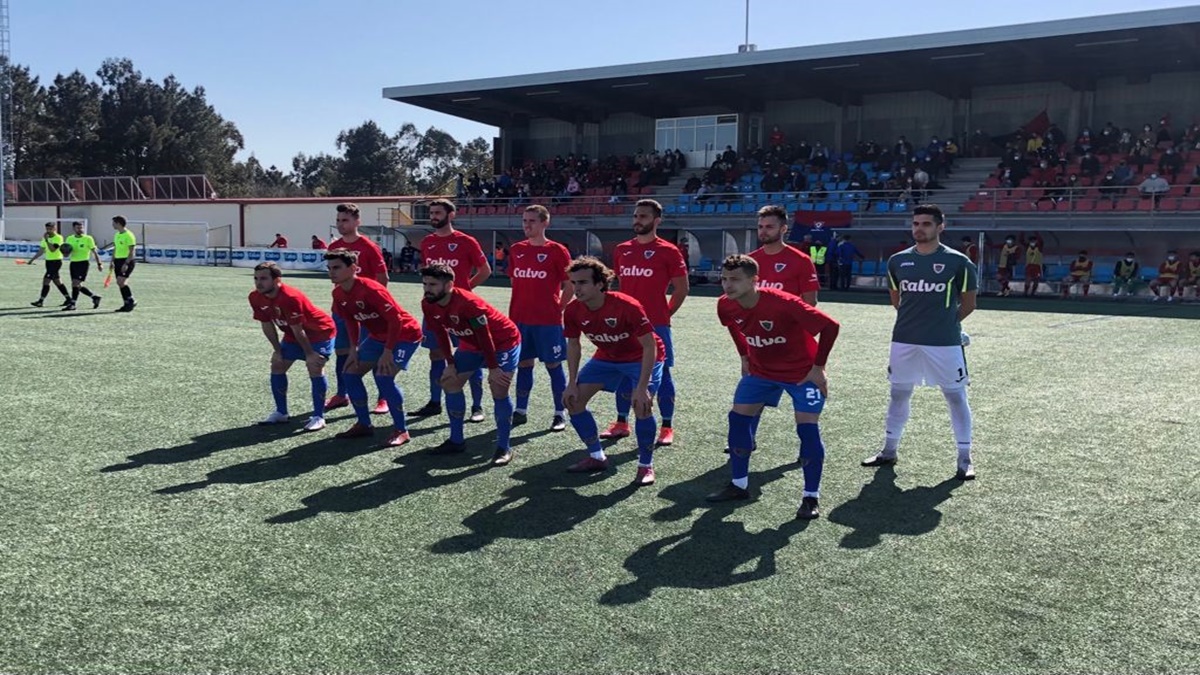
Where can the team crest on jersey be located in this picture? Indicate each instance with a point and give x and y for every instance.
(451, 247)
(767, 325)
(542, 257)
(611, 321)
(360, 304)
(779, 267)
(938, 267)
(454, 318)
(648, 254)
(585, 322)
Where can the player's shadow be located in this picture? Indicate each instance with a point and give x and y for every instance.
(417, 471)
(543, 504)
(206, 445)
(714, 553)
(71, 315)
(328, 451)
(882, 507)
(689, 496)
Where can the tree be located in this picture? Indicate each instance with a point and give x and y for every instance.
(73, 116)
(30, 131)
(370, 163)
(316, 175)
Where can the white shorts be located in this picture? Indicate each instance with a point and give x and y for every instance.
(944, 367)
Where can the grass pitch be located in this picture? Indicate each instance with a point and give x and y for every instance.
(148, 526)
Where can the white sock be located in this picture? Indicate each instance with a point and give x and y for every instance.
(897, 416)
(598, 455)
(742, 482)
(645, 466)
(960, 421)
(520, 411)
(814, 495)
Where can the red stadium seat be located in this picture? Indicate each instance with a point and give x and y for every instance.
(1104, 205)
(1085, 205)
(1190, 204)
(1127, 204)
(1007, 205)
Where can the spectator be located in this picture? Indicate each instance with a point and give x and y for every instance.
(501, 257)
(819, 193)
(387, 259)
(1125, 142)
(408, 258)
(692, 184)
(1196, 175)
(1083, 143)
(1089, 165)
(729, 156)
(280, 241)
(1154, 188)
(1163, 138)
(777, 137)
(1147, 137)
(1170, 164)
(573, 187)
(1109, 136)
(1123, 174)
(980, 144)
(619, 187)
(1142, 155)
(1125, 275)
(318, 243)
(1110, 188)
(1034, 144)
(846, 254)
(970, 249)
(903, 149)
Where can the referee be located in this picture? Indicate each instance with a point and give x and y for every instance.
(80, 247)
(124, 254)
(50, 248)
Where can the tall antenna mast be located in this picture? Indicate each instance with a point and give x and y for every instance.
(742, 48)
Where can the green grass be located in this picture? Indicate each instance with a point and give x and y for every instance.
(148, 527)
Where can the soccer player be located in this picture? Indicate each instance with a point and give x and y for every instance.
(370, 266)
(1125, 275)
(969, 249)
(540, 293)
(486, 338)
(1193, 275)
(629, 356)
(382, 338)
(773, 333)
(82, 247)
(124, 258)
(646, 266)
(1168, 275)
(1009, 252)
(280, 241)
(1080, 272)
(933, 289)
(307, 335)
(464, 256)
(782, 267)
(1033, 266)
(50, 248)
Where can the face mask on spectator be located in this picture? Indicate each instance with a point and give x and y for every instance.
(1009, 242)
(1171, 258)
(1128, 258)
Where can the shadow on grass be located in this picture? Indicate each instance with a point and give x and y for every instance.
(883, 508)
(705, 557)
(208, 444)
(689, 496)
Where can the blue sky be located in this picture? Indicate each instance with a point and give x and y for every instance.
(292, 74)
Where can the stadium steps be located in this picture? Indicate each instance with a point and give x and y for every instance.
(968, 175)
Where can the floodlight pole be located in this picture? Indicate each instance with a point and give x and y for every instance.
(747, 40)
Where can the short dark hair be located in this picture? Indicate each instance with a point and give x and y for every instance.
(439, 271)
(652, 205)
(741, 262)
(931, 210)
(51, 224)
(276, 272)
(602, 276)
(120, 220)
(774, 210)
(444, 203)
(77, 222)
(348, 207)
(350, 258)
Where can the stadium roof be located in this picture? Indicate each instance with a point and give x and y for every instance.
(1075, 51)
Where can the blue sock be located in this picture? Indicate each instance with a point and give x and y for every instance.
(503, 413)
(624, 400)
(585, 426)
(666, 397)
(524, 386)
(339, 376)
(558, 384)
(812, 456)
(741, 444)
(436, 368)
(477, 389)
(645, 430)
(395, 400)
(279, 391)
(357, 391)
(320, 387)
(456, 409)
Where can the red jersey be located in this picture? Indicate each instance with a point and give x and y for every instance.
(370, 258)
(615, 328)
(972, 253)
(280, 242)
(290, 307)
(1169, 270)
(537, 274)
(319, 245)
(1081, 268)
(478, 326)
(369, 303)
(776, 334)
(645, 271)
(791, 271)
(460, 251)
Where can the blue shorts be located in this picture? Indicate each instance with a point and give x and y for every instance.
(341, 339)
(371, 350)
(806, 398)
(664, 334)
(292, 351)
(544, 343)
(618, 376)
(429, 340)
(472, 362)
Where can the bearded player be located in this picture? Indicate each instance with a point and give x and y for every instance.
(486, 338)
(307, 336)
(646, 267)
(464, 256)
(782, 267)
(540, 293)
(382, 338)
(773, 333)
(933, 288)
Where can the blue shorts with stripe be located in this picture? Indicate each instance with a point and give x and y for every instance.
(751, 390)
(471, 361)
(618, 376)
(292, 351)
(544, 343)
(341, 339)
(429, 340)
(664, 334)
(371, 350)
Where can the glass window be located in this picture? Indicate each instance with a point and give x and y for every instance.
(685, 122)
(726, 135)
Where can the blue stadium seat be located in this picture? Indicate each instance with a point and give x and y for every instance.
(899, 207)
(852, 206)
(882, 207)
(822, 206)
(710, 208)
(843, 185)
(806, 206)
(671, 208)
(723, 207)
